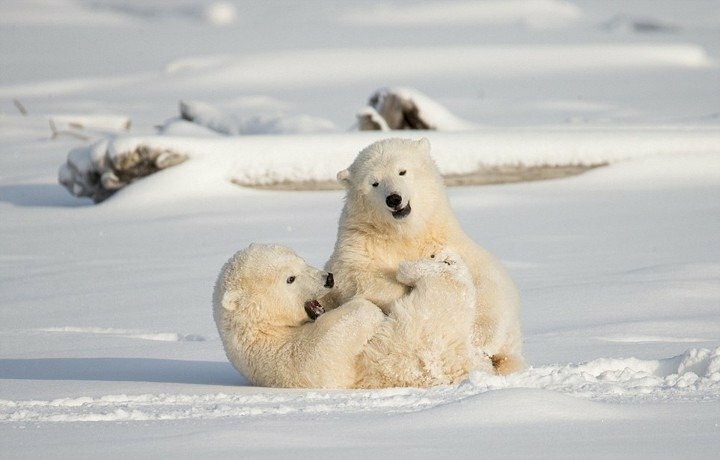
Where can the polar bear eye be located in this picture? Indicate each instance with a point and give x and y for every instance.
(375, 184)
(290, 280)
(402, 173)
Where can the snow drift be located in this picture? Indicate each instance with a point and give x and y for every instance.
(692, 376)
(102, 168)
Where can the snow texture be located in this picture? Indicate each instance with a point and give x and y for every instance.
(693, 376)
(105, 310)
(223, 123)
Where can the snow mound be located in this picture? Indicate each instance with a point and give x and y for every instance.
(271, 160)
(387, 109)
(217, 120)
(692, 376)
(532, 13)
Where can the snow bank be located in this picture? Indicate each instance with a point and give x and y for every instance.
(312, 68)
(533, 13)
(387, 109)
(269, 160)
(57, 12)
(218, 120)
(692, 376)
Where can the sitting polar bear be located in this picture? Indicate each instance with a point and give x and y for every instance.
(265, 301)
(396, 209)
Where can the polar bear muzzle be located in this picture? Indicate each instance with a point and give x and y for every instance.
(314, 309)
(402, 213)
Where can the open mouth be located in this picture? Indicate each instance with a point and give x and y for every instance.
(401, 213)
(314, 309)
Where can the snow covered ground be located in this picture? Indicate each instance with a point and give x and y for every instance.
(107, 345)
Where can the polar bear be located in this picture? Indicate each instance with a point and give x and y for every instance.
(396, 209)
(427, 337)
(277, 334)
(264, 304)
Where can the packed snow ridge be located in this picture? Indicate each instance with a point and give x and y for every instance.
(692, 376)
(268, 160)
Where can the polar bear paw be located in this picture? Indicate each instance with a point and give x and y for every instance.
(410, 271)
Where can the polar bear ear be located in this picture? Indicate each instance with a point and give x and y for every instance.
(424, 145)
(344, 177)
(231, 299)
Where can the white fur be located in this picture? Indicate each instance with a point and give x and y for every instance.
(266, 332)
(372, 243)
(269, 338)
(427, 337)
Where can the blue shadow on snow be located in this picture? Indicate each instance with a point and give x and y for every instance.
(122, 370)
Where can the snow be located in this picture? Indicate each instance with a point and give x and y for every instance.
(262, 123)
(107, 344)
(221, 13)
(693, 376)
(263, 160)
(533, 13)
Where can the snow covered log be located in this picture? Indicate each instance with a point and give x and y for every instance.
(97, 171)
(387, 109)
(407, 108)
(311, 162)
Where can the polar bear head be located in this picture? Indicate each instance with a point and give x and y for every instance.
(269, 285)
(393, 182)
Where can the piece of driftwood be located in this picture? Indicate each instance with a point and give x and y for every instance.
(92, 172)
(407, 108)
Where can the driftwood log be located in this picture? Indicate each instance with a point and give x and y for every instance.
(395, 109)
(93, 172)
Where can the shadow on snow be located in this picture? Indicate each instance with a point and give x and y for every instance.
(40, 195)
(122, 370)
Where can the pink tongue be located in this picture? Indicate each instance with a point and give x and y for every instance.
(313, 309)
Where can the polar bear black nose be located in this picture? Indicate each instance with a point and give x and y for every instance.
(393, 201)
(329, 282)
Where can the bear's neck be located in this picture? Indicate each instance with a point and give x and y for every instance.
(272, 348)
(274, 334)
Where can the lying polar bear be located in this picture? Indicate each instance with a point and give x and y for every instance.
(264, 304)
(265, 301)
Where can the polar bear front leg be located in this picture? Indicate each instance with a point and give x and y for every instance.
(353, 322)
(362, 278)
(382, 289)
(408, 273)
(338, 337)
